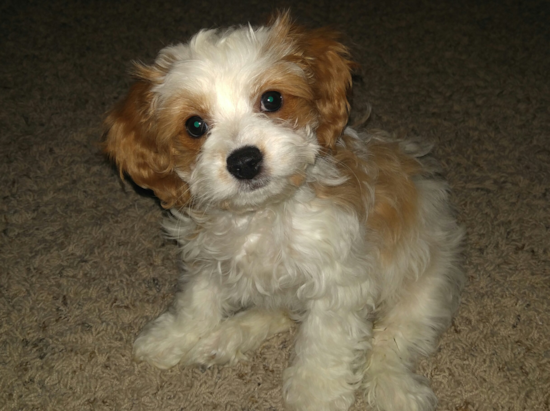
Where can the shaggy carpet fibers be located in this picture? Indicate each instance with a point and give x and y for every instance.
(84, 265)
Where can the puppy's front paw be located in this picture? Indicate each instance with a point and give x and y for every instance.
(163, 342)
(315, 390)
(220, 347)
(238, 335)
(400, 391)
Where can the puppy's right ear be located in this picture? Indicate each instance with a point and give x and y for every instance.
(131, 139)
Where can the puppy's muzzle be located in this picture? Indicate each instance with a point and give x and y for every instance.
(245, 163)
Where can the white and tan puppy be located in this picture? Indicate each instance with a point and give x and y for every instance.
(285, 215)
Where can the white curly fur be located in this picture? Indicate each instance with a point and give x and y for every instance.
(258, 259)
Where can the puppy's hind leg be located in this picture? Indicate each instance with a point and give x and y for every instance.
(237, 335)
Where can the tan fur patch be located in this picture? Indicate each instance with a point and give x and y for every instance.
(353, 193)
(297, 179)
(395, 202)
(381, 190)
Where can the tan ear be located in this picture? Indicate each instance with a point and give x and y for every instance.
(131, 140)
(327, 63)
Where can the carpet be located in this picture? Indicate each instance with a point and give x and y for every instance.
(83, 264)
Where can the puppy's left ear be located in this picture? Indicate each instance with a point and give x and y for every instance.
(331, 69)
(328, 66)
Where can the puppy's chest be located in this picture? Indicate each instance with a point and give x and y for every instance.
(269, 251)
(264, 249)
(259, 258)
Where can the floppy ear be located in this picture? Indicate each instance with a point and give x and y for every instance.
(332, 83)
(326, 62)
(131, 140)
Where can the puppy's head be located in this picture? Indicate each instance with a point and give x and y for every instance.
(232, 119)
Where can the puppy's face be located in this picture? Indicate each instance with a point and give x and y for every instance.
(242, 116)
(232, 119)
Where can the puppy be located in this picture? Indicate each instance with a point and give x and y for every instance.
(285, 215)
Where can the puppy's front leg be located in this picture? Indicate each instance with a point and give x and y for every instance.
(330, 347)
(195, 312)
(238, 335)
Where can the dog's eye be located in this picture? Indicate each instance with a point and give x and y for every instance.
(196, 127)
(271, 101)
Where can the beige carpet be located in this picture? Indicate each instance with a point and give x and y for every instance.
(83, 264)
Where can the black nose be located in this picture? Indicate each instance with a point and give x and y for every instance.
(245, 163)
